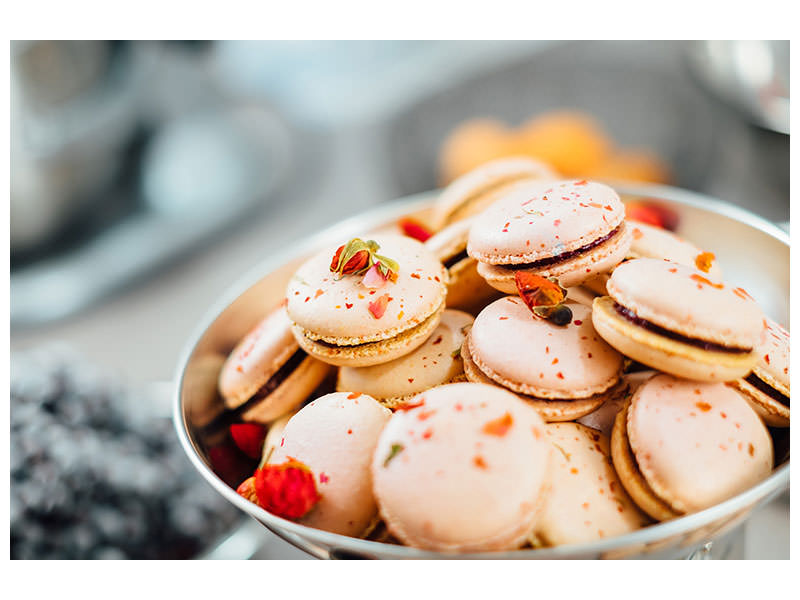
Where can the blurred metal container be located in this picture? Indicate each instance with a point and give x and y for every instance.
(73, 108)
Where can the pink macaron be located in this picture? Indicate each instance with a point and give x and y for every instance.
(563, 371)
(462, 469)
(682, 446)
(767, 387)
(571, 230)
(335, 436)
(675, 319)
(267, 374)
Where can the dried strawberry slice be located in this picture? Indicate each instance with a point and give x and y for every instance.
(287, 490)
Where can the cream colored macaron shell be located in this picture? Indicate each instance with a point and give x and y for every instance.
(462, 472)
(696, 444)
(586, 501)
(335, 436)
(436, 362)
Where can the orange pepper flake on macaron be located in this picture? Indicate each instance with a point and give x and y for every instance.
(702, 280)
(704, 260)
(378, 307)
(742, 294)
(499, 426)
(479, 462)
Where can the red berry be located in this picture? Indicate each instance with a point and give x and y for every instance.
(287, 490)
(249, 438)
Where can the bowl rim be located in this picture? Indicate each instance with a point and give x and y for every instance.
(758, 494)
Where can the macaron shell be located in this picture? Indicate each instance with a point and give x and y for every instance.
(655, 242)
(476, 189)
(772, 412)
(602, 419)
(335, 436)
(586, 501)
(464, 471)
(696, 444)
(543, 219)
(549, 410)
(337, 311)
(466, 289)
(572, 272)
(274, 437)
(663, 353)
(629, 473)
(257, 357)
(435, 362)
(290, 393)
(773, 358)
(685, 301)
(372, 353)
(534, 356)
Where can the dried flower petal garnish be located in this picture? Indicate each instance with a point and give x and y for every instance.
(393, 451)
(544, 297)
(374, 279)
(499, 426)
(649, 212)
(702, 280)
(415, 229)
(704, 260)
(249, 438)
(287, 490)
(357, 256)
(378, 307)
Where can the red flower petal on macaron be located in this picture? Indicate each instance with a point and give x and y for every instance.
(414, 229)
(378, 307)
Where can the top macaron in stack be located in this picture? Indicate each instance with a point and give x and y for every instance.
(481, 396)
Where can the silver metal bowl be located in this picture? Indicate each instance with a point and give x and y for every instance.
(752, 252)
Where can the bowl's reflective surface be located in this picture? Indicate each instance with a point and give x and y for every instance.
(753, 254)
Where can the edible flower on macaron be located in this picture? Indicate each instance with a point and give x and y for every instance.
(287, 490)
(357, 257)
(544, 297)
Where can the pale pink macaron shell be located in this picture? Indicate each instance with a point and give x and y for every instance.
(602, 419)
(655, 242)
(695, 443)
(544, 219)
(586, 501)
(773, 358)
(335, 436)
(454, 486)
(435, 362)
(684, 300)
(337, 311)
(539, 358)
(257, 357)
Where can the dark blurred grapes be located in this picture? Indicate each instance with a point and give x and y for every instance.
(93, 477)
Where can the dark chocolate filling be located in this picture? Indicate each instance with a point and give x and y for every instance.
(705, 345)
(564, 256)
(454, 260)
(770, 391)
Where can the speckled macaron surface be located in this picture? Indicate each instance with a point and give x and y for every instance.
(544, 219)
(534, 356)
(696, 444)
(464, 470)
(459, 199)
(649, 241)
(337, 310)
(257, 357)
(773, 358)
(685, 301)
(335, 436)
(586, 501)
(435, 362)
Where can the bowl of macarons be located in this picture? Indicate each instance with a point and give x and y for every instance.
(516, 366)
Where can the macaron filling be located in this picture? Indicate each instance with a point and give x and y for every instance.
(766, 388)
(274, 381)
(631, 316)
(565, 256)
(455, 259)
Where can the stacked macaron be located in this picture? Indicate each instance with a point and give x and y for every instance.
(571, 230)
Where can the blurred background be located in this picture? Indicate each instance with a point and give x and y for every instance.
(146, 177)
